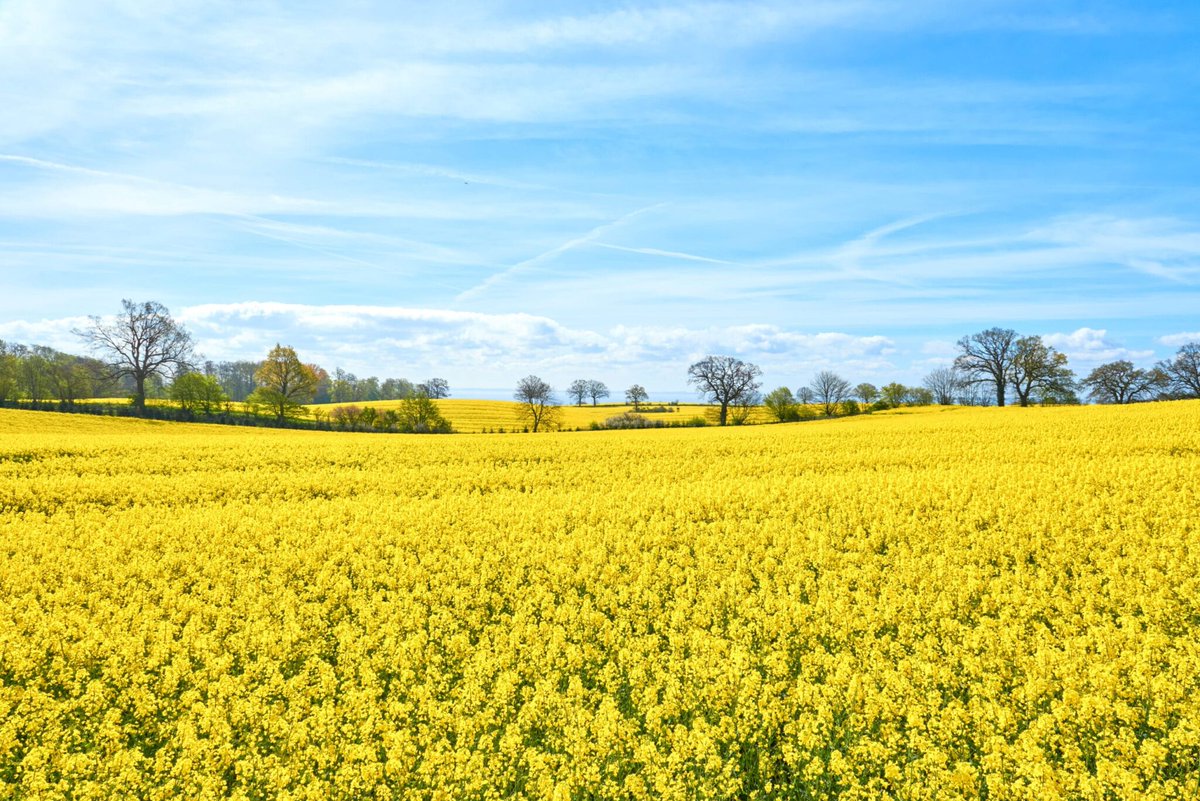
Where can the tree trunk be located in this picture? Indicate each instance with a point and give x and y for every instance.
(139, 397)
(724, 412)
(999, 393)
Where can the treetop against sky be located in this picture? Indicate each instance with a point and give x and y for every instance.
(486, 190)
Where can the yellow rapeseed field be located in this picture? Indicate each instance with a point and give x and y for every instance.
(990, 603)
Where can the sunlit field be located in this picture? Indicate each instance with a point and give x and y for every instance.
(474, 416)
(955, 603)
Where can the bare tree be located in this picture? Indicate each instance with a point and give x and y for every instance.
(142, 341)
(945, 383)
(1121, 382)
(1037, 367)
(578, 390)
(636, 395)
(804, 396)
(724, 380)
(1184, 370)
(596, 390)
(739, 412)
(987, 357)
(830, 389)
(536, 397)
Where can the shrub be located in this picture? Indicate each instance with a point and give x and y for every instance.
(631, 420)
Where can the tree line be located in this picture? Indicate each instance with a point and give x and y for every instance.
(989, 366)
(145, 353)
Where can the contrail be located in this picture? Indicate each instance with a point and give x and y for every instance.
(551, 254)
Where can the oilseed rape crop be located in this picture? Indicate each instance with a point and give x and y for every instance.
(963, 603)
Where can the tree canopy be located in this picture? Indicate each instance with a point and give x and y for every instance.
(285, 383)
(725, 381)
(140, 342)
(536, 397)
(1121, 382)
(987, 357)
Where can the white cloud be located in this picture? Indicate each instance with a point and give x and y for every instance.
(1093, 346)
(52, 333)
(478, 349)
(1182, 338)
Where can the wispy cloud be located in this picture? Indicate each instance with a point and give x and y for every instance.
(549, 255)
(669, 254)
(855, 166)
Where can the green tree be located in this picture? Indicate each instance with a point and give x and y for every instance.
(71, 376)
(197, 392)
(395, 388)
(237, 379)
(782, 405)
(1037, 367)
(285, 383)
(344, 387)
(419, 414)
(435, 388)
(893, 394)
(919, 396)
(867, 393)
(9, 365)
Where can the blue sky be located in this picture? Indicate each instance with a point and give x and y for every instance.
(482, 190)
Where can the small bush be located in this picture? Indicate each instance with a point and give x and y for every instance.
(631, 420)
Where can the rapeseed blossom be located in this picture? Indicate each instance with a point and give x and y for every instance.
(954, 604)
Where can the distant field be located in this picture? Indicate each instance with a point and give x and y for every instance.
(474, 416)
(940, 604)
